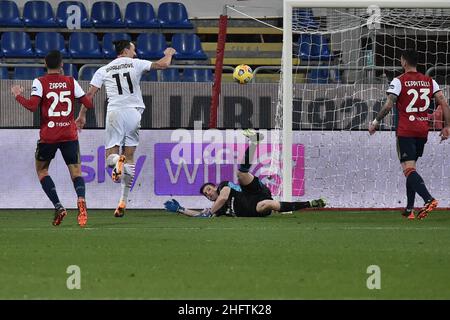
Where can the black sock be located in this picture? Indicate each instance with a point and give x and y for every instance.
(80, 188)
(416, 181)
(245, 167)
(50, 191)
(410, 194)
(293, 206)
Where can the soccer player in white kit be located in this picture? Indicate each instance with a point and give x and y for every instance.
(125, 106)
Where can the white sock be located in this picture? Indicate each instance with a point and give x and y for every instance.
(127, 180)
(112, 160)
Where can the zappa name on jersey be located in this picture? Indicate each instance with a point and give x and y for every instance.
(57, 85)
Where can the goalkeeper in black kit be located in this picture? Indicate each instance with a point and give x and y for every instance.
(249, 198)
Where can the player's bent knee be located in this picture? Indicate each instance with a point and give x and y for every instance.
(268, 205)
(75, 170)
(264, 206)
(244, 178)
(42, 174)
(408, 171)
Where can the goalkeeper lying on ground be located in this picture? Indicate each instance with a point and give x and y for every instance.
(250, 198)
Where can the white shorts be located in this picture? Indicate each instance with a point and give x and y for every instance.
(122, 127)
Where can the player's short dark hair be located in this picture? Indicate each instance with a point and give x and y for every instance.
(120, 45)
(410, 56)
(53, 59)
(205, 185)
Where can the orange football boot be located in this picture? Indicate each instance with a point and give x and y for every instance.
(429, 206)
(120, 210)
(59, 216)
(409, 214)
(82, 212)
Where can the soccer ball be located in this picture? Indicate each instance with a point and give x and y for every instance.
(242, 74)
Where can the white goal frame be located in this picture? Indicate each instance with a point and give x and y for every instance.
(288, 5)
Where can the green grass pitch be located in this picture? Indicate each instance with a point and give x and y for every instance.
(158, 255)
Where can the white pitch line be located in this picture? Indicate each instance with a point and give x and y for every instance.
(237, 228)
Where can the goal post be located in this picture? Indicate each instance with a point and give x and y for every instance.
(398, 21)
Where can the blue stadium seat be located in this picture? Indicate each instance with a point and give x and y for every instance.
(313, 47)
(170, 75)
(198, 75)
(188, 47)
(39, 14)
(107, 43)
(84, 45)
(106, 14)
(87, 73)
(9, 14)
(4, 73)
(47, 41)
(152, 75)
(61, 14)
(173, 15)
(16, 44)
(28, 73)
(318, 76)
(150, 45)
(70, 70)
(140, 15)
(304, 18)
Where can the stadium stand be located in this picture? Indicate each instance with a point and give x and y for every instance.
(107, 43)
(4, 73)
(16, 44)
(151, 45)
(106, 14)
(313, 47)
(47, 41)
(195, 42)
(9, 14)
(318, 76)
(152, 75)
(84, 45)
(70, 70)
(173, 15)
(39, 14)
(198, 75)
(188, 47)
(170, 75)
(140, 15)
(28, 73)
(88, 73)
(61, 14)
(305, 18)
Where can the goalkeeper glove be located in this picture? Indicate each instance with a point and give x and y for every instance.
(173, 206)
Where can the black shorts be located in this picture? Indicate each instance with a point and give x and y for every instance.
(410, 149)
(256, 187)
(70, 151)
(255, 192)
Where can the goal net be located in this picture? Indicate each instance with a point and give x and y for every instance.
(338, 60)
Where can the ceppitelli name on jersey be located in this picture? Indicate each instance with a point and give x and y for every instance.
(417, 83)
(120, 66)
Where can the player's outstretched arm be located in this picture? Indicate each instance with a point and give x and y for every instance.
(165, 61)
(31, 104)
(221, 199)
(388, 105)
(174, 206)
(442, 101)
